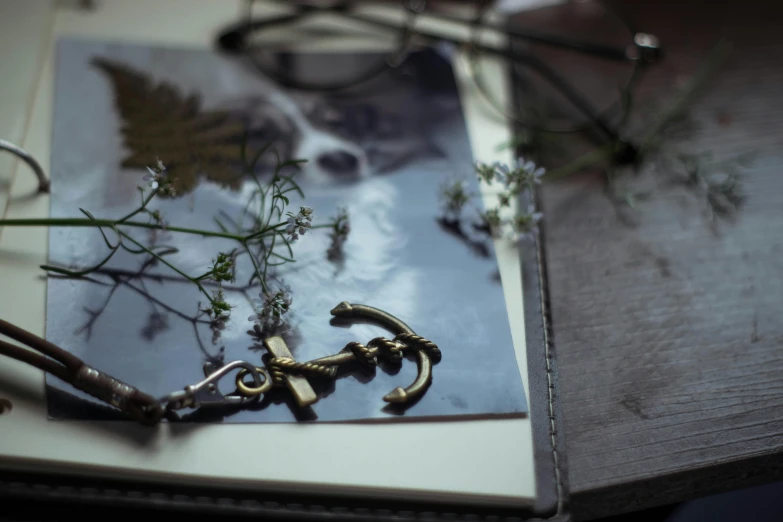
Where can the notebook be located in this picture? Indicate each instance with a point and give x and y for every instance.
(500, 465)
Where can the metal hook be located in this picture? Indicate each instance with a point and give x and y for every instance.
(19, 152)
(206, 392)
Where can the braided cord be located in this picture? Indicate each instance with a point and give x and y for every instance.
(417, 341)
(366, 355)
(279, 367)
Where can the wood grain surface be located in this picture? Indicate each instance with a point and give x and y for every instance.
(668, 331)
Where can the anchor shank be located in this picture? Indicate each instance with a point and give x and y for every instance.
(301, 390)
(340, 358)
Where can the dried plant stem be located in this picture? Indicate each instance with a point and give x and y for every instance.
(686, 96)
(165, 262)
(82, 222)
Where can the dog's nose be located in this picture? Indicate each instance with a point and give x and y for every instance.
(339, 162)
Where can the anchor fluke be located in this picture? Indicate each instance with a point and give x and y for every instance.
(396, 396)
(343, 309)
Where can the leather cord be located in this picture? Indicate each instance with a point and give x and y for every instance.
(68, 360)
(64, 365)
(34, 359)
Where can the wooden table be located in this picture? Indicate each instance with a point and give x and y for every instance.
(668, 333)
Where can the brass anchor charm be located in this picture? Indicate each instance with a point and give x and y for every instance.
(283, 370)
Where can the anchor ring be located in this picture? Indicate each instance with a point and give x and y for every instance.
(250, 391)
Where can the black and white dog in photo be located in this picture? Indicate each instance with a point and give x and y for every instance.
(354, 144)
(373, 130)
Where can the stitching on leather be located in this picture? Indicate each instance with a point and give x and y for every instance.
(237, 504)
(550, 386)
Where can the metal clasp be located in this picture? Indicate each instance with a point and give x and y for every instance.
(207, 393)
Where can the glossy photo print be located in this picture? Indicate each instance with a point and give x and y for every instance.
(365, 227)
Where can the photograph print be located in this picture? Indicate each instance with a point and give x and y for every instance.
(310, 199)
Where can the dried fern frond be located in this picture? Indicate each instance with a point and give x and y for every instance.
(160, 122)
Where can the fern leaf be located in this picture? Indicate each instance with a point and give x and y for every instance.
(160, 122)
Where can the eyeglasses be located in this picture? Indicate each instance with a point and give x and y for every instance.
(604, 53)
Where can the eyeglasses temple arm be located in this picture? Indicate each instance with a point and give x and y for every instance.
(514, 56)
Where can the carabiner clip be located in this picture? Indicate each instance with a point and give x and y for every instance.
(206, 392)
(19, 152)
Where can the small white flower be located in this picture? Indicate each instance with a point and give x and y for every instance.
(291, 229)
(152, 179)
(222, 268)
(488, 172)
(454, 195)
(158, 178)
(338, 235)
(525, 225)
(219, 309)
(299, 224)
(521, 175)
(272, 306)
(492, 220)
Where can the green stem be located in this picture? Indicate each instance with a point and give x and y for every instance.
(287, 259)
(255, 265)
(254, 234)
(143, 206)
(272, 206)
(80, 222)
(246, 210)
(269, 251)
(285, 242)
(80, 273)
(165, 262)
